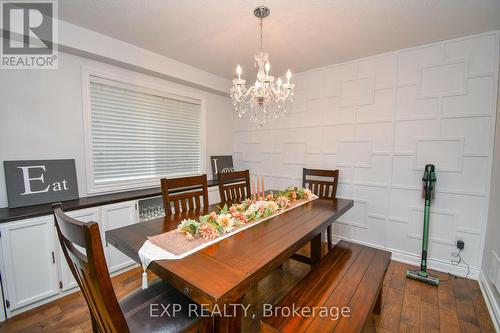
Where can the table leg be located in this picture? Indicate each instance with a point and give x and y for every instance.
(230, 323)
(317, 248)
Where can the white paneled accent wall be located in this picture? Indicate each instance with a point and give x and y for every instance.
(379, 120)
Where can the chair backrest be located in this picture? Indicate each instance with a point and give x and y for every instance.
(195, 187)
(89, 269)
(234, 187)
(318, 185)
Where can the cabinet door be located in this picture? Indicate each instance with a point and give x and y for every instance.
(28, 248)
(116, 216)
(213, 195)
(84, 215)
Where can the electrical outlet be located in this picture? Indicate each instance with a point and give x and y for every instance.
(460, 244)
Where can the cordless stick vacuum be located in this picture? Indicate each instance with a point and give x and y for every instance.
(428, 180)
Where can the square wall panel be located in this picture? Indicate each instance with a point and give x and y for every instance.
(375, 197)
(476, 132)
(470, 253)
(315, 84)
(471, 209)
(397, 238)
(315, 161)
(357, 92)
(313, 136)
(336, 75)
(345, 191)
(336, 114)
(340, 230)
(282, 136)
(266, 139)
(383, 68)
(442, 225)
(357, 214)
(294, 152)
(479, 51)
(377, 173)
(332, 135)
(400, 200)
(445, 154)
(443, 80)
(411, 62)
(355, 153)
(404, 173)
(251, 152)
(381, 134)
(477, 100)
(473, 179)
(411, 106)
(381, 109)
(299, 102)
(408, 131)
(373, 234)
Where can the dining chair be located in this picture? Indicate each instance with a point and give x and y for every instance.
(234, 187)
(195, 188)
(82, 247)
(324, 184)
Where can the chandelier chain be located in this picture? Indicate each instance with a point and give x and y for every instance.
(261, 26)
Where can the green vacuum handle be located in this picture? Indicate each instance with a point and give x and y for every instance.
(428, 179)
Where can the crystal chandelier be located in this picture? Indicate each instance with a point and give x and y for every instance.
(266, 99)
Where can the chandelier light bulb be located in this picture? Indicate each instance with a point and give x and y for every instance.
(288, 75)
(279, 82)
(267, 67)
(238, 71)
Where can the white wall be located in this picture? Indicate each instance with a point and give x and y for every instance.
(379, 120)
(490, 271)
(41, 115)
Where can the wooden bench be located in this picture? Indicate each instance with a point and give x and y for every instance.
(349, 276)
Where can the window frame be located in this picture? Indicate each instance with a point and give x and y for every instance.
(148, 85)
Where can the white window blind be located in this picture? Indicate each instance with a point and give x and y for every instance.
(139, 134)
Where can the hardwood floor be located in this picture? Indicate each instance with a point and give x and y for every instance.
(456, 305)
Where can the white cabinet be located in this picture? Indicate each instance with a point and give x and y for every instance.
(213, 195)
(29, 255)
(84, 215)
(116, 216)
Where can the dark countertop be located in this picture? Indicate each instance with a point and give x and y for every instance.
(12, 214)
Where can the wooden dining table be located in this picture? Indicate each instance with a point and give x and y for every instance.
(219, 275)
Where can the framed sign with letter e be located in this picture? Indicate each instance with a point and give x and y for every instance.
(41, 181)
(221, 164)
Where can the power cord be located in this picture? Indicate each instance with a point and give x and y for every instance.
(458, 259)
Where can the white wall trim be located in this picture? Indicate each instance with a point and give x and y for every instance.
(128, 78)
(489, 299)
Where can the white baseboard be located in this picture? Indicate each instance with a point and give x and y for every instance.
(412, 259)
(493, 307)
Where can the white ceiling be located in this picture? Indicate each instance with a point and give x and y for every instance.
(215, 35)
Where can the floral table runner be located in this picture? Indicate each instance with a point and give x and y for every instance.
(194, 235)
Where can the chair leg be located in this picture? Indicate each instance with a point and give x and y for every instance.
(378, 304)
(329, 234)
(95, 328)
